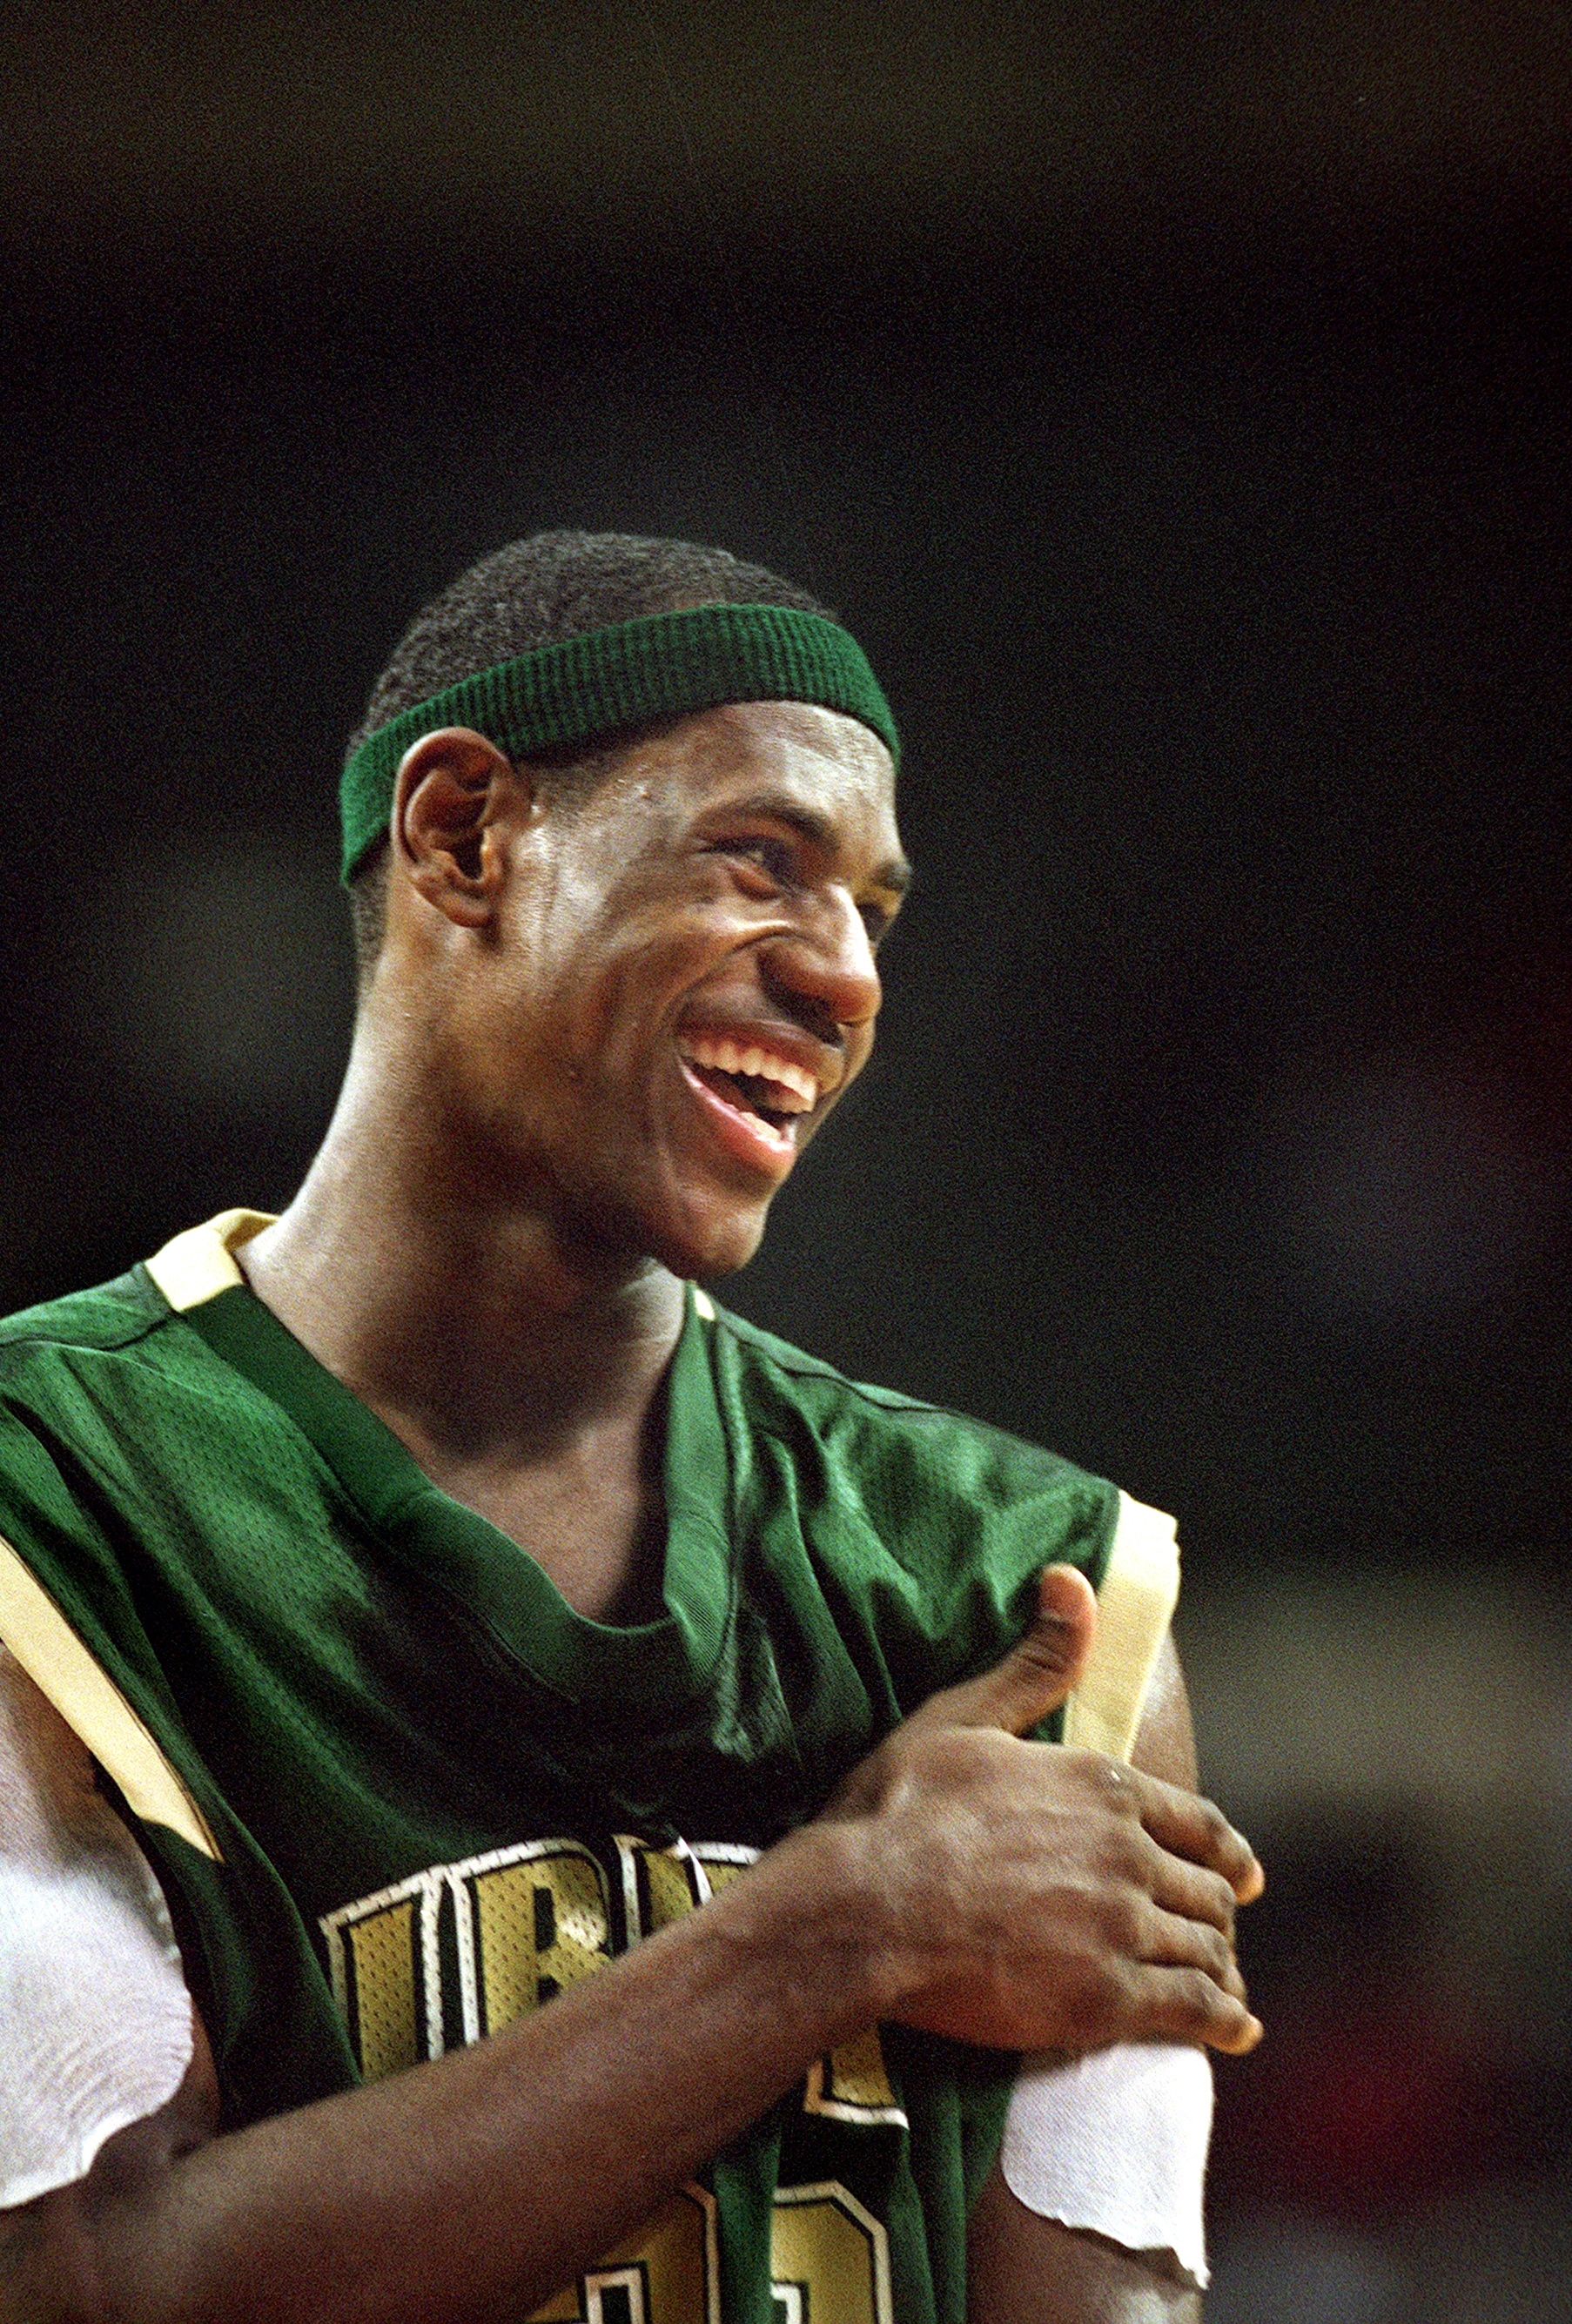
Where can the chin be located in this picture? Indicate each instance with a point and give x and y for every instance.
(713, 1260)
(706, 1249)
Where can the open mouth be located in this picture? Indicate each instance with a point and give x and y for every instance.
(774, 1091)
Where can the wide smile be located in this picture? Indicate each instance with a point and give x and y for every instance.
(755, 1098)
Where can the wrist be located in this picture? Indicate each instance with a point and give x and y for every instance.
(806, 1923)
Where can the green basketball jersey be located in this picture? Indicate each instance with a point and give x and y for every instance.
(399, 1792)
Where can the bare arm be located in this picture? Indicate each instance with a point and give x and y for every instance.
(492, 2176)
(479, 2183)
(1025, 2269)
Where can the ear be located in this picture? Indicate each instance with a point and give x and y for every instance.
(453, 793)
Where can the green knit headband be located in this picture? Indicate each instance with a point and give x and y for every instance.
(625, 675)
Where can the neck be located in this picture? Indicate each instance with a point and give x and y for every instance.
(472, 1325)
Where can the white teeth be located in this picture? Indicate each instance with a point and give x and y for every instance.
(789, 1081)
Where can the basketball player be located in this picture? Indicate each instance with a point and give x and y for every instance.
(515, 1794)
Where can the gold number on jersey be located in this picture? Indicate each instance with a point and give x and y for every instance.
(670, 2273)
(829, 2258)
(829, 2263)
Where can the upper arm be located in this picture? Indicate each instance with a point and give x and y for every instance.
(1026, 2269)
(1165, 1742)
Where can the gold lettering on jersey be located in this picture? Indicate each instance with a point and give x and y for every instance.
(383, 1957)
(722, 1865)
(381, 1962)
(852, 2083)
(521, 1924)
(540, 1924)
(659, 1884)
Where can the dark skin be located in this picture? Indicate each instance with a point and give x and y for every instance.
(1023, 2269)
(531, 1152)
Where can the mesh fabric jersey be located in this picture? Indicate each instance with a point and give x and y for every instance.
(399, 1792)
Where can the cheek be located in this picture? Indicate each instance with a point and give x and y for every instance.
(643, 973)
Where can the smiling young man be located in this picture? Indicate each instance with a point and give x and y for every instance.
(462, 1615)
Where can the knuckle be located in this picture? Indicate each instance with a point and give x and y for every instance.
(1221, 1843)
(1107, 1787)
(1215, 1828)
(1089, 1769)
(1101, 1997)
(1199, 1997)
(1223, 1906)
(1218, 1956)
(1126, 1925)
(1039, 1654)
(1132, 1858)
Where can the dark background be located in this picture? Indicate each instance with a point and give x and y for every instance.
(1176, 406)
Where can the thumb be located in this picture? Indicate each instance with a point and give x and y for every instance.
(1038, 1670)
(1029, 1683)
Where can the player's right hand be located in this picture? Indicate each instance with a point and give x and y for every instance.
(1030, 1897)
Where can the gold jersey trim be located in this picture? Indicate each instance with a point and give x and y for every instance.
(198, 1264)
(194, 1267)
(88, 1699)
(1134, 1607)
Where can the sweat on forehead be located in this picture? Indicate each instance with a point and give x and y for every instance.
(606, 681)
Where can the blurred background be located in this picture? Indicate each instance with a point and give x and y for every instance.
(1176, 403)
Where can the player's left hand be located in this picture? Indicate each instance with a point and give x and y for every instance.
(1032, 1897)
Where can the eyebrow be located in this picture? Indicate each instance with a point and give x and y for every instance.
(895, 874)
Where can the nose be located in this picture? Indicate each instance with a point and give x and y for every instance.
(828, 962)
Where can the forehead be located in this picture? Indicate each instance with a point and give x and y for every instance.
(830, 769)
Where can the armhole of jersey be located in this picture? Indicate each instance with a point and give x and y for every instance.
(88, 1699)
(1134, 1607)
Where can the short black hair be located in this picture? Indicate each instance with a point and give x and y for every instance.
(535, 593)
